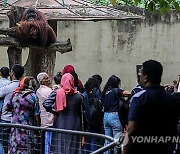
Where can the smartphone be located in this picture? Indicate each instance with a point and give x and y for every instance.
(138, 68)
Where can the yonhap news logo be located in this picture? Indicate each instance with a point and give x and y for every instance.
(155, 139)
(149, 139)
(121, 139)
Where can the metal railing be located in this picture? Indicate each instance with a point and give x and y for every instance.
(34, 140)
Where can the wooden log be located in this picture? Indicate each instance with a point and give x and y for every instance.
(7, 31)
(59, 46)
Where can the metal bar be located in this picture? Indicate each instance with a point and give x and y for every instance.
(112, 8)
(42, 142)
(68, 9)
(95, 8)
(90, 18)
(61, 7)
(105, 148)
(72, 132)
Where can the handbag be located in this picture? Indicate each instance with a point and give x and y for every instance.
(123, 110)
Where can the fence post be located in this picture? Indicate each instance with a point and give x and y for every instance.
(42, 144)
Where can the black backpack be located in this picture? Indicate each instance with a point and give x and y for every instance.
(123, 110)
(94, 113)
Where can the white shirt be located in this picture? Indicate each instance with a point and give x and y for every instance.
(46, 117)
(7, 92)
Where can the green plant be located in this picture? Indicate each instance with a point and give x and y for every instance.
(151, 5)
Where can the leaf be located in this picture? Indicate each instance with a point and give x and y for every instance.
(113, 2)
(161, 2)
(176, 5)
(151, 7)
(166, 6)
(170, 1)
(162, 10)
(146, 4)
(136, 2)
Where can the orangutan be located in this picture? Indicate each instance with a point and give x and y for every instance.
(33, 28)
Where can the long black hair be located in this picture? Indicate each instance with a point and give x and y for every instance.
(57, 78)
(113, 82)
(91, 83)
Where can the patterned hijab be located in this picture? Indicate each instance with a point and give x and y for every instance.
(27, 85)
(67, 87)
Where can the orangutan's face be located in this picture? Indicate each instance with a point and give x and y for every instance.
(31, 14)
(33, 32)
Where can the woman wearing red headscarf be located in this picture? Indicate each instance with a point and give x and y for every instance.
(68, 69)
(65, 103)
(78, 83)
(25, 109)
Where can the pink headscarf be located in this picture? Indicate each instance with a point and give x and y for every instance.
(67, 87)
(68, 69)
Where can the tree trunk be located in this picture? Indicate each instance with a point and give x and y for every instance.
(14, 54)
(41, 60)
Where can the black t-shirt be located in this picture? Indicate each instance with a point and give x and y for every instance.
(156, 114)
(110, 100)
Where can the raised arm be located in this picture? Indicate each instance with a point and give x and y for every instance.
(49, 103)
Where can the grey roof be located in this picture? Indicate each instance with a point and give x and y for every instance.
(70, 9)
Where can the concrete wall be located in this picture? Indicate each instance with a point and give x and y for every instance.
(116, 47)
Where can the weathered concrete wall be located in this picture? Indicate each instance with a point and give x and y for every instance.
(116, 47)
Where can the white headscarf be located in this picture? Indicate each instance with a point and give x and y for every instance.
(41, 76)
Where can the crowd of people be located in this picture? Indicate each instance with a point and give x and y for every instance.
(34, 101)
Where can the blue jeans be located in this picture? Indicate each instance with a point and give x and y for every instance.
(1, 145)
(112, 125)
(1, 105)
(48, 138)
(92, 143)
(90, 146)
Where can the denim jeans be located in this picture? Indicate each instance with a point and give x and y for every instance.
(48, 138)
(112, 125)
(1, 105)
(92, 143)
(1, 145)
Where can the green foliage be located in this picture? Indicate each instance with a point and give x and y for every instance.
(102, 2)
(150, 5)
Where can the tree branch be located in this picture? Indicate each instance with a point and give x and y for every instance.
(59, 46)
